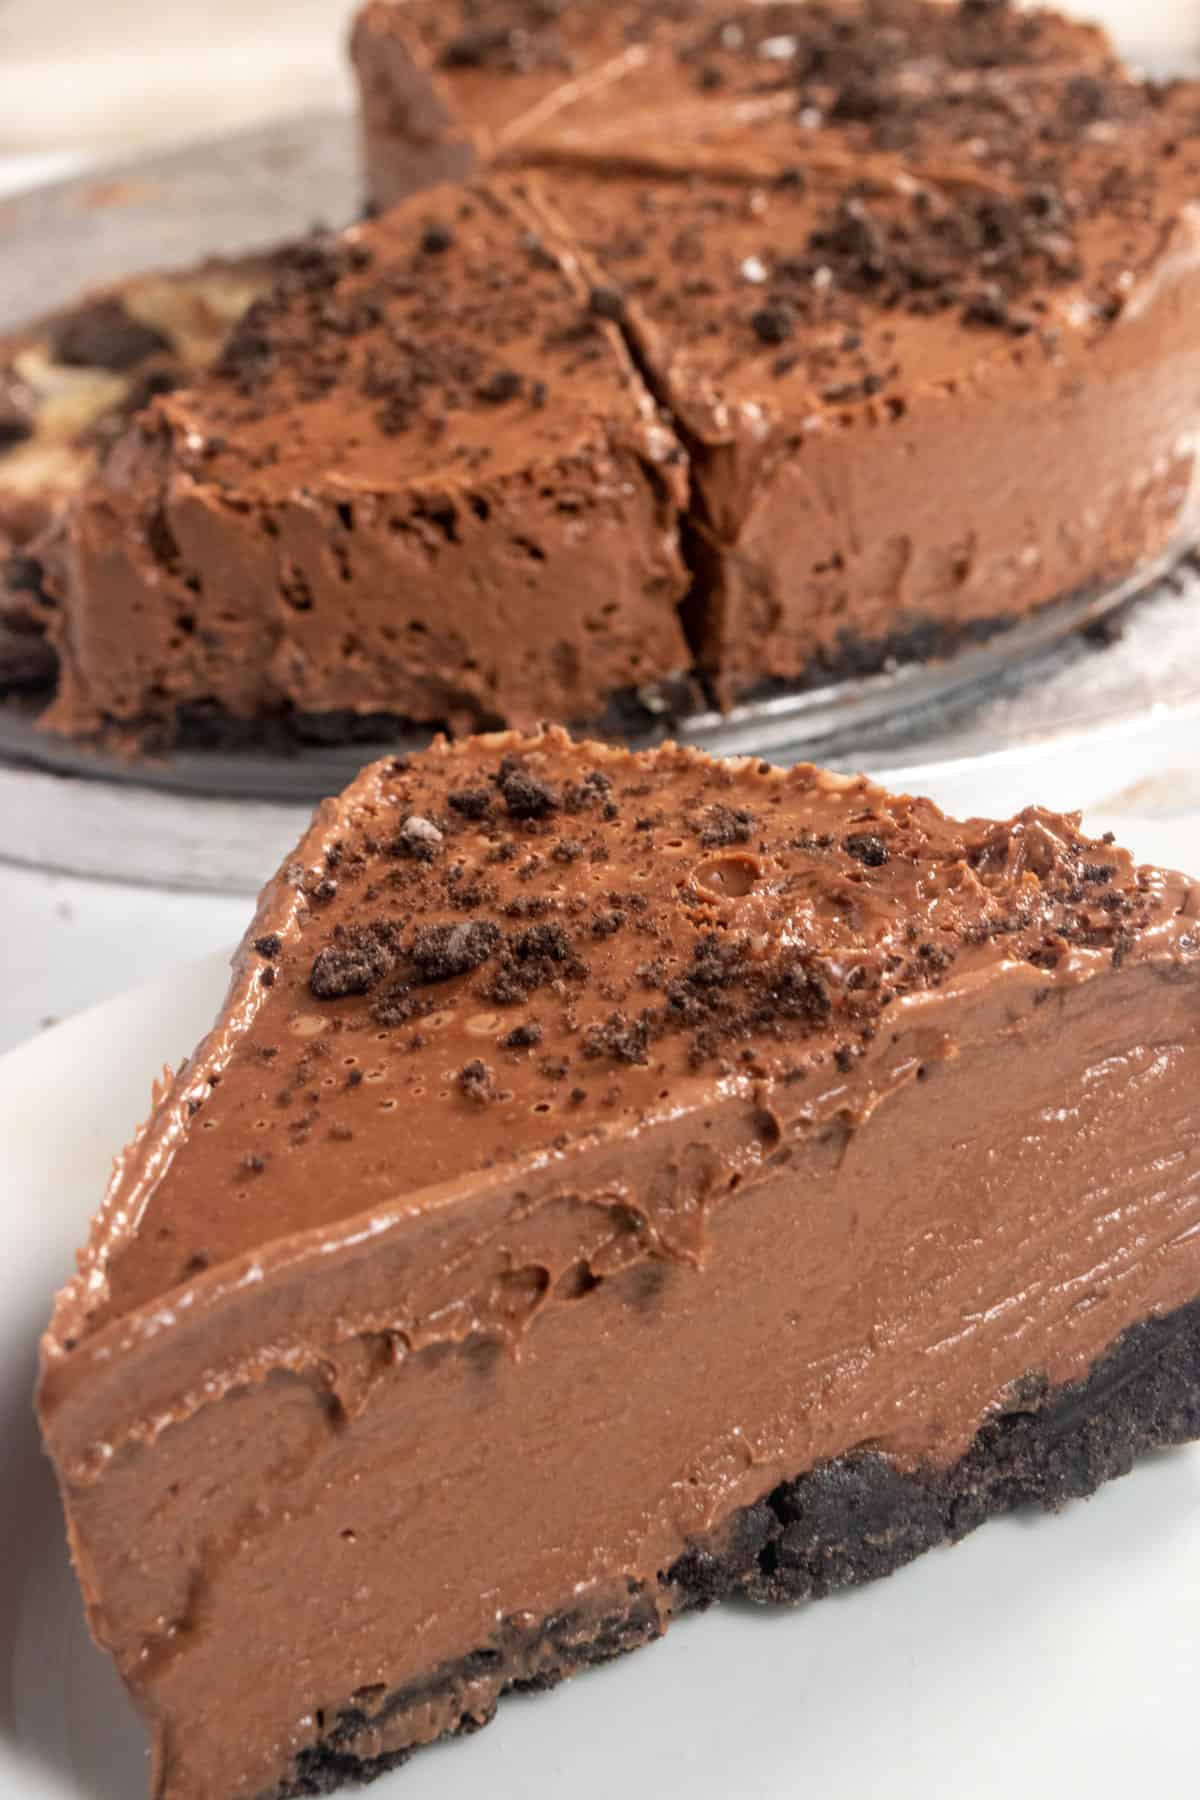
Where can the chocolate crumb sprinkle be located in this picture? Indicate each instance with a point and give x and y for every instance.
(524, 1037)
(549, 941)
(773, 324)
(469, 802)
(475, 1081)
(418, 838)
(442, 951)
(865, 847)
(527, 797)
(726, 825)
(620, 1037)
(357, 960)
(504, 384)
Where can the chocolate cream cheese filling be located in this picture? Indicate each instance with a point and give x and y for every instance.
(613, 1181)
(915, 291)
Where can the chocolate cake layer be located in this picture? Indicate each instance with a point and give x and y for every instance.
(69, 384)
(848, 1522)
(424, 479)
(590, 1145)
(916, 288)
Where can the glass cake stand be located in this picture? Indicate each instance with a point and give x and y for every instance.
(1085, 699)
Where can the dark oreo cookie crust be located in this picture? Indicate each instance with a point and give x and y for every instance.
(848, 1522)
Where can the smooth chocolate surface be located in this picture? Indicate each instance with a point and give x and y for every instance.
(915, 288)
(601, 1140)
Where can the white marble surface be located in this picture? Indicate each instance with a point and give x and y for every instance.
(80, 81)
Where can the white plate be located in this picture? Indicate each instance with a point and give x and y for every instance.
(1043, 1657)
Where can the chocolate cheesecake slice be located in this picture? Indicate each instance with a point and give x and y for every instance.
(615, 1182)
(424, 480)
(923, 393)
(69, 384)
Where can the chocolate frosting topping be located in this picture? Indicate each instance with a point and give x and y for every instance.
(866, 345)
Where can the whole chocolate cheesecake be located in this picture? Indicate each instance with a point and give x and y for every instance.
(767, 344)
(615, 1182)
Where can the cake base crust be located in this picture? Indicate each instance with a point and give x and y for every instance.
(847, 1522)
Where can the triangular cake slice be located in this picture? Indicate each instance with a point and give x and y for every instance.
(614, 1182)
(424, 480)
